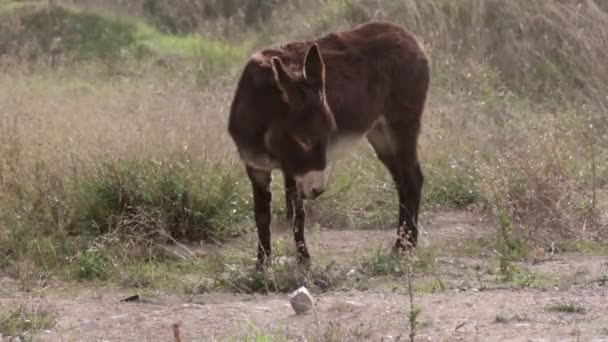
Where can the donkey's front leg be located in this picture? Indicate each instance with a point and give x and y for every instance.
(260, 182)
(296, 218)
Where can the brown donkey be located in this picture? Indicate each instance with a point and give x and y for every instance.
(300, 106)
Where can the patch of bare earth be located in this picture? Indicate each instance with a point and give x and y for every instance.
(471, 307)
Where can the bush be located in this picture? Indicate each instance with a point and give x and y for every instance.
(37, 32)
(91, 264)
(161, 201)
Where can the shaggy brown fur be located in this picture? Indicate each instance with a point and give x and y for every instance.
(298, 106)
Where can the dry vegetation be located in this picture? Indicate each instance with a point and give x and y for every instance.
(114, 157)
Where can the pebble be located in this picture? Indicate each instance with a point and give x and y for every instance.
(301, 301)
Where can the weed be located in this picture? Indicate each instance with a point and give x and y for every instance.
(509, 247)
(26, 322)
(430, 285)
(500, 319)
(529, 279)
(478, 277)
(91, 264)
(584, 247)
(603, 280)
(381, 263)
(567, 308)
(255, 334)
(284, 275)
(143, 275)
(156, 201)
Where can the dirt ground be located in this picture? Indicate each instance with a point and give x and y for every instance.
(472, 307)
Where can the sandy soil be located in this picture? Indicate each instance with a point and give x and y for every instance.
(463, 312)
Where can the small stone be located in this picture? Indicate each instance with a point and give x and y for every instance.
(119, 317)
(301, 301)
(89, 324)
(466, 326)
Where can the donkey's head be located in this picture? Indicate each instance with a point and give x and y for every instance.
(302, 142)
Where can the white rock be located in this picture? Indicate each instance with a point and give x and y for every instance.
(301, 301)
(89, 324)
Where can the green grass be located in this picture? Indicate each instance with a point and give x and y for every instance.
(84, 35)
(567, 308)
(524, 278)
(500, 319)
(236, 273)
(588, 248)
(90, 264)
(380, 262)
(161, 201)
(211, 56)
(125, 212)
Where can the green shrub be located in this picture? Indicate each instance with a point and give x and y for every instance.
(161, 201)
(380, 263)
(37, 32)
(91, 264)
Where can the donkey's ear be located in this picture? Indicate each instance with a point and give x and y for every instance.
(314, 68)
(281, 77)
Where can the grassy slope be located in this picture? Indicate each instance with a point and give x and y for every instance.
(37, 32)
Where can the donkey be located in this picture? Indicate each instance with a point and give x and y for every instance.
(302, 105)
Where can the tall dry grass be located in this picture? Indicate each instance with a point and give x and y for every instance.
(84, 153)
(516, 125)
(518, 111)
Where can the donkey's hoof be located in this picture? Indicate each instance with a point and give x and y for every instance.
(402, 247)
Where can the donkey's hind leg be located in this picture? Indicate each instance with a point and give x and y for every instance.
(397, 151)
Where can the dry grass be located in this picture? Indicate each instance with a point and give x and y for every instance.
(74, 139)
(515, 124)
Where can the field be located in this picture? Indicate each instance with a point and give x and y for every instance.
(118, 178)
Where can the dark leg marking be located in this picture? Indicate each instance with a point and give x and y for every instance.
(296, 217)
(260, 182)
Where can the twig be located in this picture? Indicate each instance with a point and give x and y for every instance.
(413, 315)
(176, 336)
